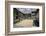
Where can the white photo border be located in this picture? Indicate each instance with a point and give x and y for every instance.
(25, 29)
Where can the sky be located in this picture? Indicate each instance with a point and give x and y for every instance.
(26, 10)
